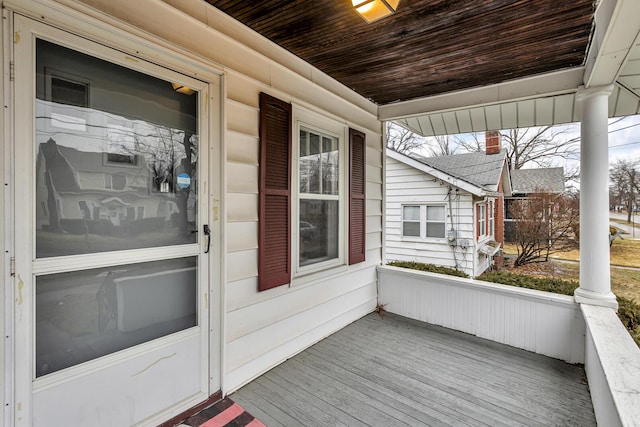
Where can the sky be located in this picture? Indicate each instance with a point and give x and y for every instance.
(624, 141)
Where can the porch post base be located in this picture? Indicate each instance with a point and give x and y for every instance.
(584, 296)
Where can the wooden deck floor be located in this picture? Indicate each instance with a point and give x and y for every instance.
(393, 371)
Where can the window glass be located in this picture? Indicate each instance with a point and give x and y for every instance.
(435, 229)
(482, 220)
(433, 218)
(435, 221)
(435, 213)
(411, 229)
(83, 315)
(319, 197)
(411, 221)
(411, 213)
(121, 142)
(330, 166)
(319, 238)
(490, 216)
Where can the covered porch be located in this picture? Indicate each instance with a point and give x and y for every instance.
(393, 371)
(486, 355)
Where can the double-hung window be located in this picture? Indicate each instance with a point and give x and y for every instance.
(320, 206)
(424, 221)
(312, 203)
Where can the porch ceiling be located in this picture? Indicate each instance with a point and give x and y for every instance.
(452, 66)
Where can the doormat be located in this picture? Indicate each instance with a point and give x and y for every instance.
(224, 413)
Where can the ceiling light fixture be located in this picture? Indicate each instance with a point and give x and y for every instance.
(372, 10)
(183, 89)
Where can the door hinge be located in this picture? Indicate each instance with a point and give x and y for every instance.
(12, 266)
(12, 71)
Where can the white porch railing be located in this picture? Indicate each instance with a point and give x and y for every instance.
(613, 368)
(540, 322)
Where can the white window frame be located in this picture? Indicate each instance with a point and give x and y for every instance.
(423, 221)
(491, 213)
(307, 120)
(481, 221)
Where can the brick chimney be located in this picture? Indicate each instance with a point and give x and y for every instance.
(492, 142)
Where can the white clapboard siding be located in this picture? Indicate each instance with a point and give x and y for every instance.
(407, 185)
(242, 236)
(260, 342)
(314, 333)
(242, 148)
(265, 328)
(541, 322)
(242, 119)
(242, 292)
(242, 207)
(299, 298)
(242, 264)
(242, 178)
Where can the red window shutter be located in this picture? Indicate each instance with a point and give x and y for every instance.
(357, 199)
(274, 208)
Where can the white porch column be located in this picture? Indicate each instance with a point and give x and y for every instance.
(595, 281)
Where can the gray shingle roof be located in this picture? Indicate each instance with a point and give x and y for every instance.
(480, 169)
(525, 181)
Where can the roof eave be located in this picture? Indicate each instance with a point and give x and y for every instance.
(436, 173)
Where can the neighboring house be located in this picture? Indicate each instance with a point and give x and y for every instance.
(446, 210)
(525, 182)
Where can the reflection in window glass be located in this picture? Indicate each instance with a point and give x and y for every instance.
(118, 140)
(319, 163)
(319, 172)
(318, 231)
(83, 315)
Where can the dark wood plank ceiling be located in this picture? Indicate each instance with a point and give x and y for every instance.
(429, 46)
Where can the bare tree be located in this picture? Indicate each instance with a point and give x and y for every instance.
(471, 143)
(402, 140)
(535, 145)
(546, 224)
(625, 183)
(442, 145)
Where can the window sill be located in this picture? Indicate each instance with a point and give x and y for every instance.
(424, 239)
(311, 277)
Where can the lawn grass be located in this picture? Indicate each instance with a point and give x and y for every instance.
(625, 253)
(624, 283)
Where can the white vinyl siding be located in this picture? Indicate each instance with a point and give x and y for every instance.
(263, 328)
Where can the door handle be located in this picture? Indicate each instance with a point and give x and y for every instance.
(207, 232)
